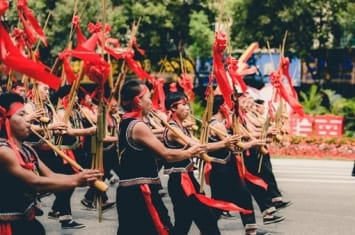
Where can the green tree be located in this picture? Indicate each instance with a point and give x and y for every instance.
(308, 23)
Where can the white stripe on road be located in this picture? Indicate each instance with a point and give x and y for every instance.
(317, 181)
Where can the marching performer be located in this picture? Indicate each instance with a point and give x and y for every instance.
(23, 173)
(225, 180)
(188, 207)
(138, 190)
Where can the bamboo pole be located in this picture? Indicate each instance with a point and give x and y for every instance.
(182, 136)
(98, 184)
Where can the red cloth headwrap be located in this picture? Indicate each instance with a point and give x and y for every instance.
(136, 112)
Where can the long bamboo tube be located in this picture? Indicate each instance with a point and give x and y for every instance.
(184, 138)
(98, 184)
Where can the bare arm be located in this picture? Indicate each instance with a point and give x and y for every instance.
(143, 134)
(48, 181)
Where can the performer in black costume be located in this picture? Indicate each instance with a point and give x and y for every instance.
(23, 174)
(140, 207)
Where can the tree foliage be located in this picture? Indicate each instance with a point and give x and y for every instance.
(309, 24)
(168, 27)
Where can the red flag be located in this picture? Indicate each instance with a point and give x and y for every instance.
(159, 95)
(4, 6)
(12, 58)
(218, 67)
(30, 22)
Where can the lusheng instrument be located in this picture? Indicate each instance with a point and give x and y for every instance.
(184, 138)
(98, 184)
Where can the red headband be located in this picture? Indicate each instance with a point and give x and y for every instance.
(135, 99)
(136, 112)
(13, 109)
(176, 103)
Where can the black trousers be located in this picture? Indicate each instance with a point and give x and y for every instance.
(61, 202)
(133, 214)
(25, 227)
(189, 209)
(226, 185)
(260, 195)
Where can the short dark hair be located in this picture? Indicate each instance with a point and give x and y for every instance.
(8, 98)
(173, 97)
(129, 90)
(218, 100)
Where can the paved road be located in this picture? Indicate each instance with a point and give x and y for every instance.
(322, 191)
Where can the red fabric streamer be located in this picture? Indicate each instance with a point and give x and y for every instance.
(18, 36)
(225, 111)
(137, 68)
(135, 46)
(12, 58)
(275, 79)
(5, 229)
(207, 170)
(98, 72)
(232, 67)
(249, 176)
(159, 226)
(218, 68)
(71, 155)
(71, 76)
(80, 38)
(285, 64)
(186, 83)
(190, 190)
(159, 95)
(4, 6)
(30, 22)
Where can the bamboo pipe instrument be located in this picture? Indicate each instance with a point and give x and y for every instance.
(220, 132)
(183, 137)
(98, 184)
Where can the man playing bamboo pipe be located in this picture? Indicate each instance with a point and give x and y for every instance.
(257, 158)
(225, 177)
(23, 174)
(258, 191)
(195, 206)
(61, 207)
(139, 205)
(43, 121)
(110, 160)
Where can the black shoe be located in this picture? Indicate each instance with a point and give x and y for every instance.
(257, 232)
(282, 204)
(227, 215)
(271, 219)
(71, 224)
(353, 174)
(53, 215)
(107, 206)
(88, 204)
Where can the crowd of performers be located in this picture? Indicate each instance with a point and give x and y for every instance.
(139, 143)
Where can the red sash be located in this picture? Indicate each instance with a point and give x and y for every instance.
(245, 174)
(189, 190)
(152, 210)
(5, 229)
